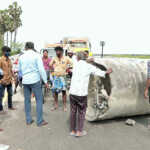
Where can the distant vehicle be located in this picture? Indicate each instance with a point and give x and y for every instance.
(76, 44)
(51, 49)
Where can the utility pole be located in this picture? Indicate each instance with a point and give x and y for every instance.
(102, 44)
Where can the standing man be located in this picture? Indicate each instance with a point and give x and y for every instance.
(46, 62)
(60, 64)
(70, 54)
(6, 81)
(79, 92)
(15, 71)
(31, 68)
(147, 89)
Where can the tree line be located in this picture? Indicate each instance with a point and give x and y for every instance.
(10, 21)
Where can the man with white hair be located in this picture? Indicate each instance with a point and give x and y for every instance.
(79, 92)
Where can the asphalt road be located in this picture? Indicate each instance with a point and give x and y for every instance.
(103, 135)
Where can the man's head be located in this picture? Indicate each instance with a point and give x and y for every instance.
(59, 51)
(29, 45)
(45, 53)
(70, 54)
(81, 56)
(86, 54)
(6, 51)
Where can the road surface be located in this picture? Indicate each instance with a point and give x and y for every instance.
(103, 135)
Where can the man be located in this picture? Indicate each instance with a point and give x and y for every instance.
(15, 71)
(6, 81)
(70, 54)
(70, 66)
(147, 89)
(60, 64)
(46, 62)
(86, 53)
(32, 70)
(79, 92)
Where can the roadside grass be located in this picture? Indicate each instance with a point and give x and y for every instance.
(131, 56)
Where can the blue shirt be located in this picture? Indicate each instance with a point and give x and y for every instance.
(31, 68)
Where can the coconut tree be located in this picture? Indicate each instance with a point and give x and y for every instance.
(3, 26)
(15, 12)
(7, 25)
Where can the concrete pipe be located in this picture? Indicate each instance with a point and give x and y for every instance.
(120, 94)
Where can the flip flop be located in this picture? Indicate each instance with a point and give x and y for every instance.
(30, 122)
(84, 133)
(65, 109)
(54, 108)
(72, 134)
(44, 123)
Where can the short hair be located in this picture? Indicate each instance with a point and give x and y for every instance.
(6, 48)
(29, 45)
(87, 52)
(81, 56)
(45, 50)
(59, 48)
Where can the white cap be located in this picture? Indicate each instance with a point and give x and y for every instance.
(70, 51)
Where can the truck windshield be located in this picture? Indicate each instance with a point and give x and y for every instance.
(78, 44)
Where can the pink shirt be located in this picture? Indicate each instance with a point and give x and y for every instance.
(46, 63)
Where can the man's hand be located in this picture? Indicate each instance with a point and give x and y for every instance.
(46, 85)
(109, 71)
(90, 60)
(146, 93)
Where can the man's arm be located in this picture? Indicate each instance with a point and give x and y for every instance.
(13, 75)
(99, 72)
(146, 94)
(41, 69)
(52, 62)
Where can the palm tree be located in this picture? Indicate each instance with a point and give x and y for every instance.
(3, 26)
(15, 12)
(10, 21)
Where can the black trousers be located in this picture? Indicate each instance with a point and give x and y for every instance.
(78, 105)
(2, 91)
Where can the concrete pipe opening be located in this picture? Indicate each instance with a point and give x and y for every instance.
(99, 92)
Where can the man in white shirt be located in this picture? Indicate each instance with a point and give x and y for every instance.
(79, 92)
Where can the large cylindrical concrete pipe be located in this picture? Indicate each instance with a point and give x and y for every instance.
(120, 94)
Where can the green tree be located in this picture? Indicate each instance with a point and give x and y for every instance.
(3, 25)
(10, 21)
(15, 12)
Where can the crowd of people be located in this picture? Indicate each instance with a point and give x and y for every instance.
(35, 71)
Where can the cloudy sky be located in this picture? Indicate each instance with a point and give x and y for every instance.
(123, 24)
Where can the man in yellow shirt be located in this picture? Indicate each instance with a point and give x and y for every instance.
(60, 64)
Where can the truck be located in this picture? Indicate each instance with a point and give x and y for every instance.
(76, 44)
(51, 49)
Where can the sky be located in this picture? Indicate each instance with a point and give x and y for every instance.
(123, 24)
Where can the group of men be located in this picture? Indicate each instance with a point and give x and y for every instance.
(35, 71)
